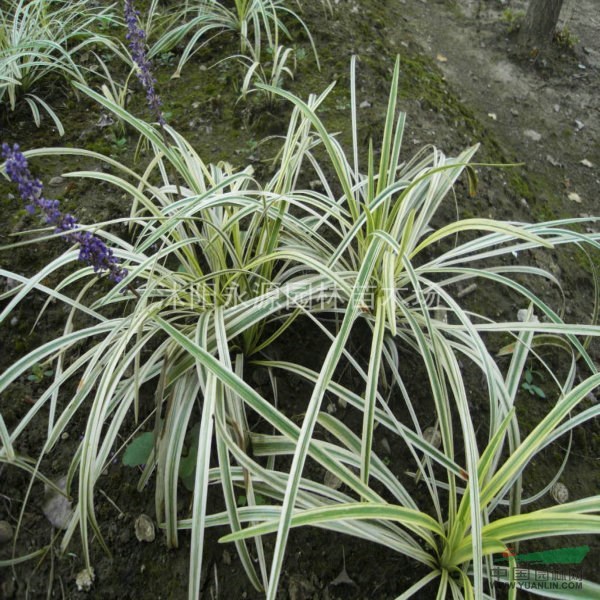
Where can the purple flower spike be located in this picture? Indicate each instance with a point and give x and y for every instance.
(137, 44)
(93, 251)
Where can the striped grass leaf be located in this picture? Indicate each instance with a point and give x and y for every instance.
(495, 275)
(205, 436)
(272, 485)
(255, 401)
(518, 460)
(480, 225)
(409, 518)
(371, 391)
(226, 476)
(382, 417)
(329, 364)
(458, 520)
(230, 408)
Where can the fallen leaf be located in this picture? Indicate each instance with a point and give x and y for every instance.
(343, 577)
(573, 196)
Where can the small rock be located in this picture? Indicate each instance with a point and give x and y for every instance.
(124, 536)
(579, 125)
(441, 58)
(552, 161)
(8, 589)
(557, 108)
(56, 181)
(105, 121)
(385, 446)
(300, 588)
(58, 509)
(514, 112)
(6, 532)
(331, 481)
(10, 284)
(260, 377)
(144, 529)
(560, 492)
(522, 316)
(586, 163)
(440, 314)
(467, 290)
(493, 116)
(575, 197)
(85, 579)
(365, 104)
(433, 436)
(532, 135)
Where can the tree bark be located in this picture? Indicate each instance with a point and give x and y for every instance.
(540, 22)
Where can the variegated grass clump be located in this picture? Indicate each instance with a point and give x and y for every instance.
(281, 67)
(382, 221)
(259, 24)
(44, 39)
(203, 270)
(217, 271)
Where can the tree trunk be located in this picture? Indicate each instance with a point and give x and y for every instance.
(540, 22)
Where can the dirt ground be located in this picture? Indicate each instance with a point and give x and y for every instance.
(545, 109)
(462, 82)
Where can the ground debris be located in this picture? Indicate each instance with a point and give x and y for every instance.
(85, 579)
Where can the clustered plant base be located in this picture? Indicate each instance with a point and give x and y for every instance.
(217, 266)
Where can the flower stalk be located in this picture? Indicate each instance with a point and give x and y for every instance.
(137, 44)
(92, 250)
